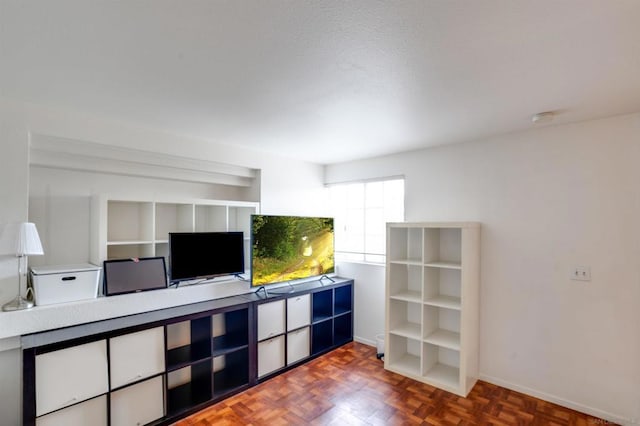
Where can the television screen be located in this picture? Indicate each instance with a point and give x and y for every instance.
(133, 275)
(205, 254)
(285, 248)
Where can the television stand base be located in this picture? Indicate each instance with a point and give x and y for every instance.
(326, 277)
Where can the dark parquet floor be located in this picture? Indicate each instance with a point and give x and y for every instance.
(349, 386)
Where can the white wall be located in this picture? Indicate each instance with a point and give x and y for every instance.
(13, 208)
(368, 299)
(279, 175)
(548, 199)
(59, 204)
(60, 198)
(14, 185)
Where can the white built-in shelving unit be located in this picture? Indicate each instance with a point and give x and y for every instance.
(432, 289)
(125, 228)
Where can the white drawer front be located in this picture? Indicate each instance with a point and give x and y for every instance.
(139, 404)
(298, 345)
(270, 355)
(69, 376)
(270, 319)
(298, 311)
(136, 356)
(92, 412)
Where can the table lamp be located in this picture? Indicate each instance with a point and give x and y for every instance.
(21, 240)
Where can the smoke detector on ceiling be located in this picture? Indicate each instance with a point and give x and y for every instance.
(543, 117)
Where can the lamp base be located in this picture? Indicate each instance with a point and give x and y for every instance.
(17, 304)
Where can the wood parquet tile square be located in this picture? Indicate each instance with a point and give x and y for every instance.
(350, 387)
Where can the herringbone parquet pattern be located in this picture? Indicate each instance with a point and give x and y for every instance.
(350, 387)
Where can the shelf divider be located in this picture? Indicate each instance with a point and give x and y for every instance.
(408, 329)
(444, 264)
(445, 338)
(442, 301)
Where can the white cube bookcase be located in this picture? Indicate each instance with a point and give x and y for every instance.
(432, 303)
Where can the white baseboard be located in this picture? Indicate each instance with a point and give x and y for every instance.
(560, 401)
(364, 341)
(614, 418)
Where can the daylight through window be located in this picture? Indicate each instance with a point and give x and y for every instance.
(361, 211)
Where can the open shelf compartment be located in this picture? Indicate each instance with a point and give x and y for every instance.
(240, 219)
(442, 287)
(441, 327)
(321, 336)
(441, 366)
(403, 355)
(126, 250)
(322, 305)
(210, 218)
(230, 372)
(405, 282)
(342, 300)
(404, 319)
(129, 221)
(189, 386)
(173, 217)
(342, 329)
(230, 331)
(442, 247)
(406, 245)
(188, 342)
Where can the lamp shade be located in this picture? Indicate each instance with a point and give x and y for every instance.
(20, 239)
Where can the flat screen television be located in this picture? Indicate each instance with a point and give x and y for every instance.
(201, 255)
(133, 275)
(287, 248)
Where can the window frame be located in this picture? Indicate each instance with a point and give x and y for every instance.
(343, 254)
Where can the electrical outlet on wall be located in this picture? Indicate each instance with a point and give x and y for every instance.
(581, 273)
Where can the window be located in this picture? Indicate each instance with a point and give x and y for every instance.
(361, 211)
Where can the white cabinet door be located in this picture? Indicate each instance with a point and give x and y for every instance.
(298, 311)
(270, 355)
(92, 412)
(270, 319)
(71, 375)
(136, 356)
(297, 345)
(138, 404)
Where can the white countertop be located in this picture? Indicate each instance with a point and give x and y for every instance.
(49, 317)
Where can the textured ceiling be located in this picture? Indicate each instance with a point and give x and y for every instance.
(325, 81)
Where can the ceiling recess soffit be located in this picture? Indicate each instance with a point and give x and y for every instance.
(70, 154)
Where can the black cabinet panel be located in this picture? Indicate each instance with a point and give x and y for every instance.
(194, 392)
(225, 360)
(231, 371)
(342, 329)
(343, 301)
(321, 336)
(332, 318)
(236, 334)
(217, 352)
(322, 305)
(185, 355)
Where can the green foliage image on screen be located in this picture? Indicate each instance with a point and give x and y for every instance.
(288, 248)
